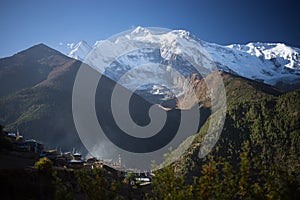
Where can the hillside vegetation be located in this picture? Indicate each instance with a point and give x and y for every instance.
(256, 157)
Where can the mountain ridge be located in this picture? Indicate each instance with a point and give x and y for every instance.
(43, 110)
(29, 67)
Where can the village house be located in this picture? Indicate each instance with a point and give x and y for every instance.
(22, 145)
(32, 146)
(76, 162)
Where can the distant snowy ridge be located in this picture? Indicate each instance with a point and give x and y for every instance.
(285, 55)
(268, 62)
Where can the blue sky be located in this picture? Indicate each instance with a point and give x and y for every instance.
(26, 23)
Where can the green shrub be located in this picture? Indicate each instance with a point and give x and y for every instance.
(44, 165)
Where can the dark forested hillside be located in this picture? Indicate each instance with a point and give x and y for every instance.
(257, 155)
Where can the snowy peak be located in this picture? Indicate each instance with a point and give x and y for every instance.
(80, 50)
(140, 31)
(143, 32)
(285, 55)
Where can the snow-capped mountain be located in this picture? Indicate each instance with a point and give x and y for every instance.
(162, 59)
(268, 62)
(80, 50)
(279, 52)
